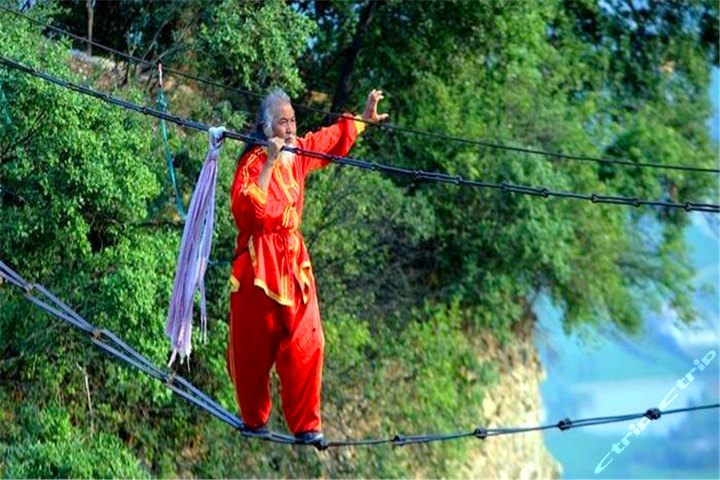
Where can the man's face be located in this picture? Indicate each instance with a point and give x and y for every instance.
(284, 123)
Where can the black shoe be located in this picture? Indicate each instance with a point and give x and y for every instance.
(314, 438)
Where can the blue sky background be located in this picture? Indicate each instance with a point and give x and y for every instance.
(616, 374)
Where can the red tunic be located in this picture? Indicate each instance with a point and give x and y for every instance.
(268, 224)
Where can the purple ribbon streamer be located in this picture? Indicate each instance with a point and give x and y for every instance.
(194, 255)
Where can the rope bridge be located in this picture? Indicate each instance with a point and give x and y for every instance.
(113, 345)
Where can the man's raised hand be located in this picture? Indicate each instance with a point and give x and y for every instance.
(370, 114)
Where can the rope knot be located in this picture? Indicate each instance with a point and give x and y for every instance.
(594, 198)
(636, 202)
(28, 288)
(97, 333)
(688, 206)
(398, 440)
(217, 137)
(161, 101)
(545, 192)
(564, 424)
(653, 413)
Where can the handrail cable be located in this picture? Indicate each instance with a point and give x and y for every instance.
(359, 163)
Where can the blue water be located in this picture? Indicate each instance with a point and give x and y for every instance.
(615, 374)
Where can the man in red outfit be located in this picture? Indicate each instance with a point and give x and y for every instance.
(274, 314)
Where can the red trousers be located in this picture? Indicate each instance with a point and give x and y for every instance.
(263, 332)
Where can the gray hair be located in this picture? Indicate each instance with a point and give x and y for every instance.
(265, 116)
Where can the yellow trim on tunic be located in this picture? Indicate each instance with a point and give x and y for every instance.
(249, 187)
(292, 178)
(258, 282)
(290, 218)
(304, 278)
(278, 298)
(251, 250)
(359, 125)
(285, 217)
(257, 193)
(281, 181)
(234, 284)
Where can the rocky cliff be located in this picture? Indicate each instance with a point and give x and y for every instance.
(513, 401)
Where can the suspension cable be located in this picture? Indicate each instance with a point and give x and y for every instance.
(391, 169)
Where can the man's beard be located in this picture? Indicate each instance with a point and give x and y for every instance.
(287, 158)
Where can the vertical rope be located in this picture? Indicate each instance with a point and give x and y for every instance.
(162, 105)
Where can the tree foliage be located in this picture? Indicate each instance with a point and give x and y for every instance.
(409, 272)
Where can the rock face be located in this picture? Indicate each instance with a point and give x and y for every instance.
(513, 401)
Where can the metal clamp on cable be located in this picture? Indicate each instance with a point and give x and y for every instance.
(653, 413)
(384, 127)
(97, 333)
(28, 288)
(481, 433)
(564, 424)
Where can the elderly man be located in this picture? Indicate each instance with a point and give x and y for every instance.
(274, 314)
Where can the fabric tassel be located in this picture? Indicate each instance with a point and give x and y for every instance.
(194, 255)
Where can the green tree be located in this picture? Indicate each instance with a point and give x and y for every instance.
(409, 271)
(545, 75)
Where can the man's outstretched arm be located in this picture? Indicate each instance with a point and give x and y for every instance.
(337, 139)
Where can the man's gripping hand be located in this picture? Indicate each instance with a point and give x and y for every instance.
(275, 144)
